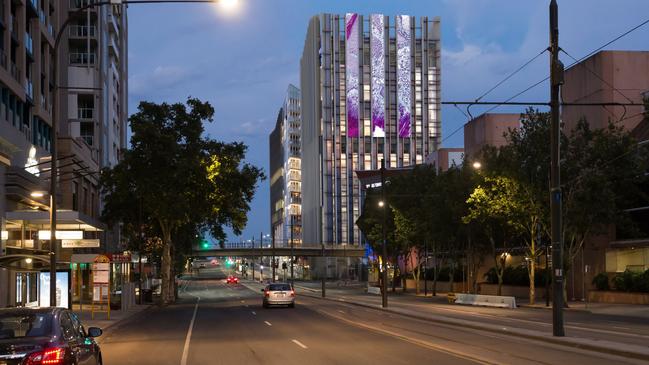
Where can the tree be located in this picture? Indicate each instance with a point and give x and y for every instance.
(602, 172)
(183, 182)
(495, 205)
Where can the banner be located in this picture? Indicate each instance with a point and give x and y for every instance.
(351, 73)
(377, 56)
(403, 75)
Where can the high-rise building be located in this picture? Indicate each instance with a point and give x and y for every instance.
(93, 78)
(91, 115)
(285, 166)
(370, 92)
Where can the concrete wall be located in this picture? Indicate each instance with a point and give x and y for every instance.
(488, 129)
(625, 75)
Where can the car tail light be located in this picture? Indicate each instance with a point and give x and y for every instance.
(51, 356)
(292, 293)
(267, 294)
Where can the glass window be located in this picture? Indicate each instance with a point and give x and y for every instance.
(17, 324)
(67, 328)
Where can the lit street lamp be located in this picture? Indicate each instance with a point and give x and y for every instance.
(53, 149)
(477, 165)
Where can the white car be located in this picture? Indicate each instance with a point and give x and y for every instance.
(278, 294)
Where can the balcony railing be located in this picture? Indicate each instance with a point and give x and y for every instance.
(85, 113)
(76, 4)
(82, 58)
(82, 31)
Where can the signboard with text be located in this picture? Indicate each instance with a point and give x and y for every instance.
(87, 243)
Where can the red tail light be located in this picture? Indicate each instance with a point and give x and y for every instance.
(292, 293)
(267, 294)
(52, 356)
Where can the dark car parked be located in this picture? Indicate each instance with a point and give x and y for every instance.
(46, 336)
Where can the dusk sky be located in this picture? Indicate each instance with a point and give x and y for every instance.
(242, 60)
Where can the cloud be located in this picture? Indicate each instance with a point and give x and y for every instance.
(159, 80)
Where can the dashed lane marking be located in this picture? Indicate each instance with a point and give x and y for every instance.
(254, 313)
(299, 344)
(268, 323)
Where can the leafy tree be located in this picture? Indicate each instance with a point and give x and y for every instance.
(181, 181)
(494, 204)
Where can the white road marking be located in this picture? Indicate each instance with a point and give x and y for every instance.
(341, 311)
(254, 313)
(268, 323)
(183, 360)
(300, 344)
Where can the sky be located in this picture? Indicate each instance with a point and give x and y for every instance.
(242, 59)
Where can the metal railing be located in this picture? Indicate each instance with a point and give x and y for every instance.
(82, 30)
(82, 58)
(85, 113)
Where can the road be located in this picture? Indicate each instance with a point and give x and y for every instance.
(216, 323)
(626, 329)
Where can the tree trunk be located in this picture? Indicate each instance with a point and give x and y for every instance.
(166, 272)
(530, 272)
(417, 274)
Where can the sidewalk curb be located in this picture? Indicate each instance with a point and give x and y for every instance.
(527, 306)
(600, 347)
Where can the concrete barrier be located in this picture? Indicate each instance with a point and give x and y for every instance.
(485, 300)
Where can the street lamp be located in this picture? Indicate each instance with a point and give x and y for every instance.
(53, 147)
(37, 194)
(477, 165)
(381, 204)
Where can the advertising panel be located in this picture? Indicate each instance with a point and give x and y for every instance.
(62, 289)
(403, 75)
(351, 73)
(377, 56)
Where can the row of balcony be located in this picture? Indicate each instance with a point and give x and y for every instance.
(82, 58)
(82, 30)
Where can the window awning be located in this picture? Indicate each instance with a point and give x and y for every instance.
(65, 220)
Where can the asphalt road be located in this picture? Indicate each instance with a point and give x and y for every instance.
(216, 323)
(626, 329)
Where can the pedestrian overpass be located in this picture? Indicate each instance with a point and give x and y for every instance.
(313, 251)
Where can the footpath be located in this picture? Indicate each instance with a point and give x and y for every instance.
(513, 322)
(101, 320)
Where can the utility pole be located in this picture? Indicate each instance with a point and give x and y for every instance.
(273, 251)
(261, 257)
(252, 259)
(292, 253)
(556, 80)
(384, 274)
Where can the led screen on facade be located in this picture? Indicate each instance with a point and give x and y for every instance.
(403, 75)
(352, 67)
(377, 45)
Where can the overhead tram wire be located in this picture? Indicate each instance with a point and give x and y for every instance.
(576, 62)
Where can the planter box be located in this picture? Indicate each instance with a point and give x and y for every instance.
(618, 297)
(511, 291)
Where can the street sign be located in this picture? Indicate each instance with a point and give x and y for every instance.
(87, 243)
(100, 273)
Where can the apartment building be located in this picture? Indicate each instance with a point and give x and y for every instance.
(286, 170)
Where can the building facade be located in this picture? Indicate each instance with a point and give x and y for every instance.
(446, 157)
(91, 96)
(611, 77)
(286, 172)
(488, 130)
(370, 92)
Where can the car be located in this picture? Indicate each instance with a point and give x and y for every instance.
(232, 280)
(279, 294)
(201, 265)
(53, 336)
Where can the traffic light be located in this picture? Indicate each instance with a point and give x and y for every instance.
(205, 245)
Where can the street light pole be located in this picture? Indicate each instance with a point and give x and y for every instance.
(556, 79)
(384, 274)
